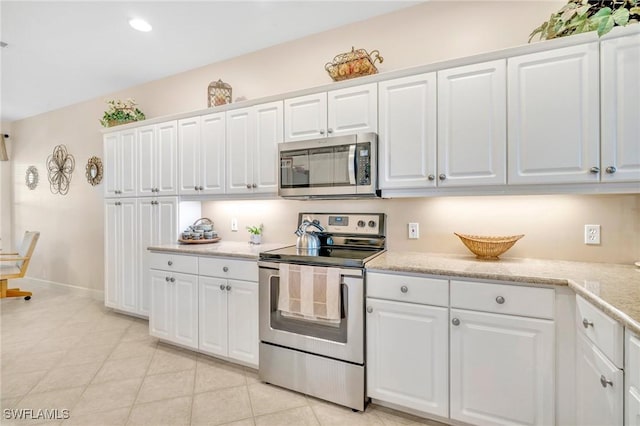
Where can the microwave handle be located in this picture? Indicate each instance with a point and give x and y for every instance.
(352, 164)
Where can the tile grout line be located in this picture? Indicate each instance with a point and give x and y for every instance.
(144, 377)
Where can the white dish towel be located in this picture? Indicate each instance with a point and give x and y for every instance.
(310, 292)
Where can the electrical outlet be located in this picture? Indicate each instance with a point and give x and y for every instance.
(414, 231)
(592, 234)
(234, 225)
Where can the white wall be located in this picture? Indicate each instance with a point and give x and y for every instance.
(70, 249)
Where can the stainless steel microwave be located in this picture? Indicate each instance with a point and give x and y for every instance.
(340, 166)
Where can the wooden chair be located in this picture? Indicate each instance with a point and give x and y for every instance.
(14, 265)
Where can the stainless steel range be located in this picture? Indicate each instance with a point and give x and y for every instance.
(312, 326)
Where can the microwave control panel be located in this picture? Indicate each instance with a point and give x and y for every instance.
(363, 163)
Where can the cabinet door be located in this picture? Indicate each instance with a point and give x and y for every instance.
(242, 313)
(472, 125)
(128, 257)
(502, 369)
(184, 290)
(147, 168)
(189, 155)
(112, 226)
(212, 153)
(597, 404)
(238, 147)
(407, 355)
(166, 154)
(620, 85)
(554, 116)
(111, 167)
(305, 117)
(632, 380)
(407, 139)
(268, 134)
(352, 110)
(212, 325)
(127, 163)
(147, 230)
(160, 320)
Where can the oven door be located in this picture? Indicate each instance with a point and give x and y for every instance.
(344, 341)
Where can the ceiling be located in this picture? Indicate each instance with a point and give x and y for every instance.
(63, 52)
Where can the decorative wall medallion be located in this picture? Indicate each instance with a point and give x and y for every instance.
(94, 171)
(60, 164)
(31, 177)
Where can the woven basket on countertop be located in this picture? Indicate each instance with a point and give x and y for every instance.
(488, 247)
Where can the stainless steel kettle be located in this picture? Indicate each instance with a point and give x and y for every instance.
(308, 240)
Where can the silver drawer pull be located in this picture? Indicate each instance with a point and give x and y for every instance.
(166, 279)
(586, 323)
(604, 382)
(369, 309)
(170, 263)
(222, 287)
(225, 269)
(404, 289)
(228, 287)
(455, 321)
(499, 300)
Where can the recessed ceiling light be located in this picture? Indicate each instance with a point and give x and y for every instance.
(140, 25)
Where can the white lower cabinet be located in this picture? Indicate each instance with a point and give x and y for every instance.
(502, 369)
(174, 307)
(632, 380)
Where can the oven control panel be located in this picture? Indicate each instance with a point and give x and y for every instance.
(348, 223)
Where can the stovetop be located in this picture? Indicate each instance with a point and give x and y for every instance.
(324, 256)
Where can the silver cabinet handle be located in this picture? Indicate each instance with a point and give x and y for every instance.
(222, 287)
(166, 279)
(586, 323)
(604, 382)
(201, 188)
(595, 170)
(442, 176)
(195, 187)
(329, 130)
(611, 169)
(322, 131)
(500, 300)
(225, 268)
(254, 186)
(369, 309)
(404, 289)
(172, 279)
(170, 262)
(431, 177)
(455, 322)
(248, 186)
(228, 287)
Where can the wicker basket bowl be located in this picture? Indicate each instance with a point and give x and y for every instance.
(488, 247)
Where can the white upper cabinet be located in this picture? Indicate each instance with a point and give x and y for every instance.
(253, 134)
(157, 159)
(472, 125)
(334, 113)
(553, 122)
(201, 146)
(620, 109)
(120, 156)
(407, 137)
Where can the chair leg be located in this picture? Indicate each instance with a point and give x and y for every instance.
(14, 292)
(3, 289)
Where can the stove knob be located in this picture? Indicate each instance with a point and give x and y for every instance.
(361, 224)
(372, 223)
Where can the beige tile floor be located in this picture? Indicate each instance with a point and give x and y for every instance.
(63, 350)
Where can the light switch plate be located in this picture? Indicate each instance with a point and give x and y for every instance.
(414, 231)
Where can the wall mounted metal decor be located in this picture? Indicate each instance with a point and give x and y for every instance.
(60, 164)
(219, 93)
(93, 171)
(31, 177)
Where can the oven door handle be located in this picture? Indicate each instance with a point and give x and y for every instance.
(352, 164)
(356, 272)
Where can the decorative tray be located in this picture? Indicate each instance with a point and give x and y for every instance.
(353, 64)
(203, 241)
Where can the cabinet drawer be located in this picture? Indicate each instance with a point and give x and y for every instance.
(605, 332)
(246, 270)
(174, 262)
(503, 299)
(428, 291)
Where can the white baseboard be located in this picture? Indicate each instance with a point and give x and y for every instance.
(94, 294)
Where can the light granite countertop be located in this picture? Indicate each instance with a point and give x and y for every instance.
(613, 288)
(242, 250)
